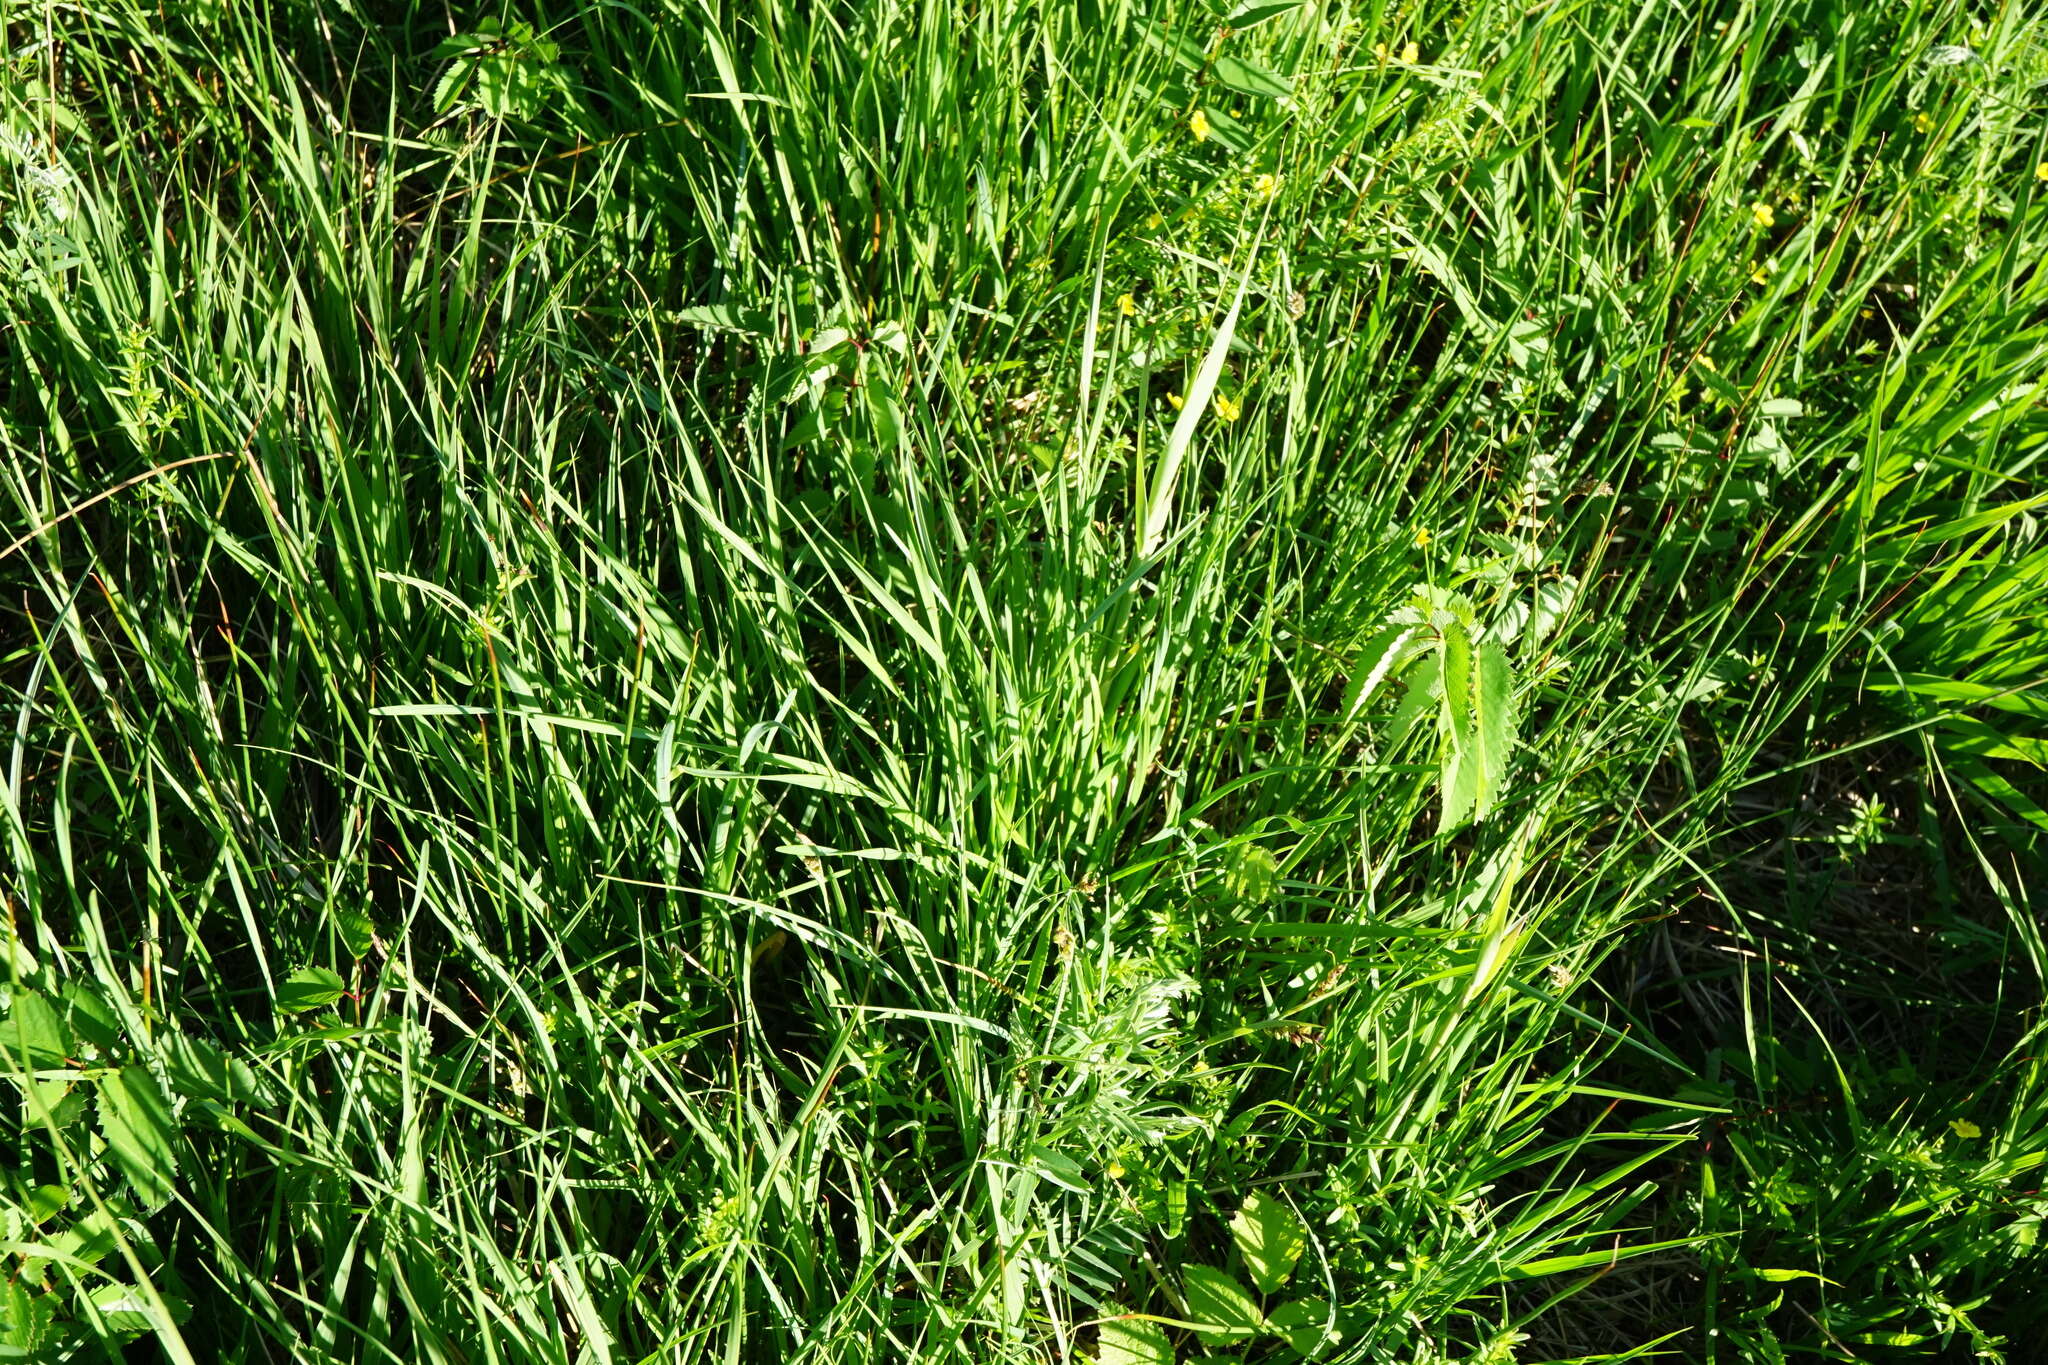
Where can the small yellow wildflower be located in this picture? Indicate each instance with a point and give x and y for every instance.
(1866, 313)
(1114, 1170)
(1265, 184)
(1922, 124)
(1965, 1129)
(1227, 408)
(1198, 124)
(1422, 537)
(1127, 305)
(1762, 274)
(1379, 51)
(1173, 400)
(1153, 222)
(1411, 54)
(2041, 171)
(1762, 213)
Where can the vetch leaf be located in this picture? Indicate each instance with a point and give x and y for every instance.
(1270, 1236)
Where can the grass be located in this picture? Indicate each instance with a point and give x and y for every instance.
(873, 681)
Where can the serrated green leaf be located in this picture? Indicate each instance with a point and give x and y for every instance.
(1270, 1236)
(309, 988)
(27, 1318)
(91, 1018)
(136, 1122)
(358, 931)
(127, 1310)
(1424, 689)
(1250, 874)
(1384, 656)
(1455, 715)
(1306, 1326)
(1219, 1305)
(201, 1071)
(1132, 1341)
(1493, 724)
(35, 1035)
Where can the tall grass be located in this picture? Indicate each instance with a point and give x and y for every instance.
(880, 681)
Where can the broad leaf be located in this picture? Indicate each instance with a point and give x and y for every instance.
(127, 1310)
(201, 1071)
(1306, 1325)
(310, 988)
(27, 1320)
(136, 1121)
(1132, 1341)
(1424, 690)
(1221, 1308)
(1270, 1236)
(1493, 724)
(91, 1018)
(35, 1035)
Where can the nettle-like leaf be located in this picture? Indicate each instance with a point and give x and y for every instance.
(35, 1035)
(504, 71)
(1270, 1236)
(1219, 1305)
(1132, 1341)
(1250, 874)
(135, 1120)
(1306, 1326)
(309, 988)
(1458, 672)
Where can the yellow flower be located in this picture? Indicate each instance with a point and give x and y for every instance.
(1114, 1170)
(1411, 54)
(2041, 171)
(1154, 221)
(1965, 1129)
(1867, 314)
(1762, 213)
(1922, 124)
(1762, 274)
(1198, 124)
(1227, 408)
(1422, 537)
(1173, 400)
(1379, 50)
(1265, 184)
(1127, 305)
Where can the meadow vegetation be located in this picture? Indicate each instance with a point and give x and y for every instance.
(994, 681)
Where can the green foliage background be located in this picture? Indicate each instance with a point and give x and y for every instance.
(972, 680)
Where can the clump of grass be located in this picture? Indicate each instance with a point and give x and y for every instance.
(859, 682)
